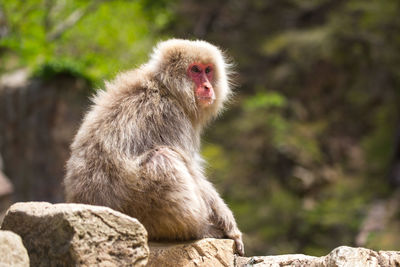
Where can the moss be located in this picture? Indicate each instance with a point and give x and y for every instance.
(53, 69)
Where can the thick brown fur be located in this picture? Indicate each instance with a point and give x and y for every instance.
(137, 150)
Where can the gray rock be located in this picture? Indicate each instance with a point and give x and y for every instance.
(359, 257)
(339, 257)
(38, 119)
(77, 235)
(278, 261)
(12, 251)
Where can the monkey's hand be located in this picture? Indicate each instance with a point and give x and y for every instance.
(220, 215)
(227, 225)
(236, 235)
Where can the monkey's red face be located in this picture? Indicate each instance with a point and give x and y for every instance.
(202, 76)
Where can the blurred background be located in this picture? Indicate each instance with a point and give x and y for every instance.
(308, 153)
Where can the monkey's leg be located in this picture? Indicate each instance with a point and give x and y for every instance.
(175, 210)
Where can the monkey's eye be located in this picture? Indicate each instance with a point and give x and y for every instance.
(195, 69)
(208, 69)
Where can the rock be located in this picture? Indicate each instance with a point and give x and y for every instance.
(278, 261)
(340, 257)
(38, 119)
(77, 234)
(204, 252)
(12, 251)
(84, 235)
(359, 257)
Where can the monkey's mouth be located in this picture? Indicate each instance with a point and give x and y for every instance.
(205, 100)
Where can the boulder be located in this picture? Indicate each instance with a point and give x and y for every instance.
(339, 257)
(12, 251)
(77, 234)
(204, 252)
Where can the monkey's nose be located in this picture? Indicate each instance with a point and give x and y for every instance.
(206, 86)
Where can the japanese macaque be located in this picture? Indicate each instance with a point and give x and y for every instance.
(137, 150)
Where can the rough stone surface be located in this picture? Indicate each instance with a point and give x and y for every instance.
(360, 257)
(340, 257)
(77, 235)
(12, 251)
(278, 261)
(204, 252)
(38, 120)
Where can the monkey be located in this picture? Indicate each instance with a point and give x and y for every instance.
(137, 150)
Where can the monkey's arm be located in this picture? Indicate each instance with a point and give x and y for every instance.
(221, 216)
(169, 160)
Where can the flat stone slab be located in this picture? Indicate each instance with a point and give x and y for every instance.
(204, 252)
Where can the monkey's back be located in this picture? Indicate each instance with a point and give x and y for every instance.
(125, 121)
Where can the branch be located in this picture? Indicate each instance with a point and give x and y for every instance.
(72, 19)
(3, 23)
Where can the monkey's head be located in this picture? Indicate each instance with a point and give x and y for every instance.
(195, 73)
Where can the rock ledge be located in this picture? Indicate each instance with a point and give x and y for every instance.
(85, 235)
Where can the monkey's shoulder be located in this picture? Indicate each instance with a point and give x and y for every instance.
(144, 105)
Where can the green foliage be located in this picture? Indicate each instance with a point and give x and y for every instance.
(105, 37)
(379, 144)
(52, 69)
(215, 156)
(300, 45)
(264, 100)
